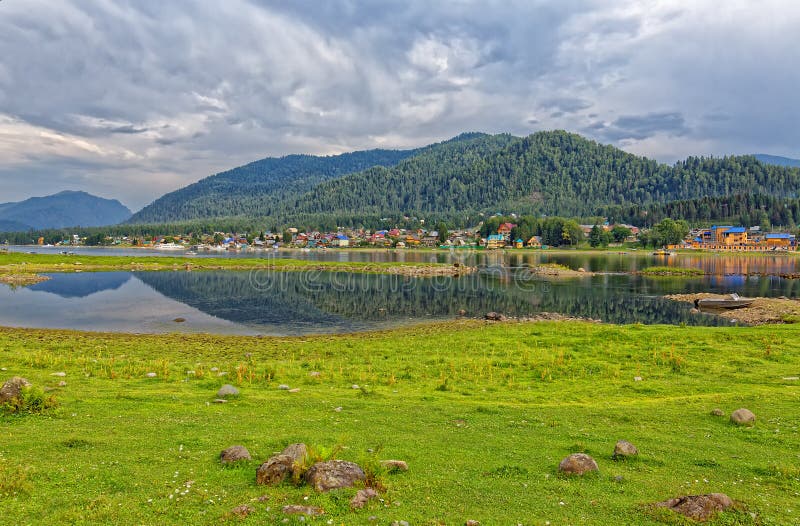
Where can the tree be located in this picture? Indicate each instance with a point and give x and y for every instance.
(620, 233)
(571, 233)
(443, 233)
(598, 237)
(287, 237)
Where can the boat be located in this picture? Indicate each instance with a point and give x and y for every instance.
(733, 301)
(169, 246)
(663, 253)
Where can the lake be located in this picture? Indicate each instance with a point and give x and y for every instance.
(285, 303)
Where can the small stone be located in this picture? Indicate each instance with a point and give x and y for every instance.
(242, 511)
(295, 390)
(717, 412)
(400, 523)
(297, 509)
(190, 373)
(581, 269)
(150, 375)
(337, 409)
(362, 497)
(462, 312)
(12, 389)
(334, 474)
(275, 470)
(214, 369)
(220, 401)
(222, 373)
(578, 464)
(296, 451)
(61, 374)
(315, 374)
(743, 417)
(472, 522)
(619, 478)
(394, 465)
(62, 383)
(624, 449)
(179, 320)
(698, 507)
(637, 378)
(283, 387)
(227, 390)
(234, 454)
(494, 316)
(355, 386)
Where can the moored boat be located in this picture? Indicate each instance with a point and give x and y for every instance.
(733, 301)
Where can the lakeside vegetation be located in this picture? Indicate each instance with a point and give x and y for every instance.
(482, 413)
(17, 263)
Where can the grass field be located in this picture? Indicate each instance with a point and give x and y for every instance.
(17, 263)
(482, 413)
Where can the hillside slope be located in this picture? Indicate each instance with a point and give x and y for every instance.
(777, 160)
(63, 209)
(258, 188)
(547, 172)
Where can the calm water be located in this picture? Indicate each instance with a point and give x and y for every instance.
(274, 303)
(781, 263)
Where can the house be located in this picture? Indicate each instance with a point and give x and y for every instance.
(505, 229)
(495, 241)
(535, 242)
(779, 241)
(518, 243)
(340, 240)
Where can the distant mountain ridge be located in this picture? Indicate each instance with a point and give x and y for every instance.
(64, 209)
(777, 160)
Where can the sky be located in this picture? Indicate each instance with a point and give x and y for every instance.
(129, 99)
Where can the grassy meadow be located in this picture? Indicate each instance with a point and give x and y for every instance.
(482, 413)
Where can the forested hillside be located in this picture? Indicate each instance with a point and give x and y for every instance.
(257, 189)
(545, 173)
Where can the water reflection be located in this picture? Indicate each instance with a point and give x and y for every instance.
(322, 302)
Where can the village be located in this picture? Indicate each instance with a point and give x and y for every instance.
(507, 236)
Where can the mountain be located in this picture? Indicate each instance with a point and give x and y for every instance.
(257, 189)
(553, 173)
(777, 160)
(545, 173)
(64, 209)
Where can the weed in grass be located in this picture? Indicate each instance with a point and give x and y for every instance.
(13, 480)
(31, 400)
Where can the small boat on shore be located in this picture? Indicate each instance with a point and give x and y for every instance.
(733, 301)
(663, 253)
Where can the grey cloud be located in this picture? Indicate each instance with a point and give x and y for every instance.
(182, 89)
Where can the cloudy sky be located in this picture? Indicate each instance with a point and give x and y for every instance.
(132, 98)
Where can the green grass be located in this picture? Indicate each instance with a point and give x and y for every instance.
(671, 271)
(16, 263)
(483, 413)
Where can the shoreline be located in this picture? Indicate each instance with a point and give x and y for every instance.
(763, 311)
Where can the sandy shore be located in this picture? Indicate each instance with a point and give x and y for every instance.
(763, 310)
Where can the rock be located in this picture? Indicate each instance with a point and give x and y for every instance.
(472, 522)
(227, 390)
(624, 449)
(60, 374)
(283, 387)
(698, 507)
(578, 464)
(581, 269)
(214, 369)
(717, 412)
(337, 409)
(242, 511)
(637, 378)
(494, 316)
(179, 320)
(295, 390)
(355, 386)
(334, 474)
(296, 451)
(315, 374)
(362, 497)
(297, 509)
(234, 454)
(462, 312)
(394, 465)
(400, 523)
(220, 401)
(12, 389)
(62, 383)
(743, 417)
(150, 375)
(275, 470)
